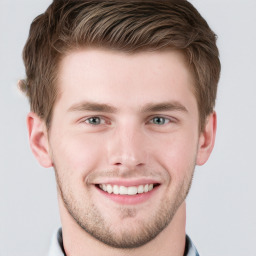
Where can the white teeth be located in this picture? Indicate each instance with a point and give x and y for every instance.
(122, 190)
(140, 189)
(132, 190)
(109, 189)
(115, 189)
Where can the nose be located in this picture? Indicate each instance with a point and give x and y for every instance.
(127, 147)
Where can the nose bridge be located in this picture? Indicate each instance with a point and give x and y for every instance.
(127, 146)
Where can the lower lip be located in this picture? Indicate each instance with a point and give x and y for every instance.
(129, 199)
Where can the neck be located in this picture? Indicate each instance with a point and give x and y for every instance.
(171, 241)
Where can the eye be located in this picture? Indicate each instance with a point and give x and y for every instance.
(158, 120)
(95, 120)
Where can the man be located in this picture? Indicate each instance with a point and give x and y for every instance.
(122, 101)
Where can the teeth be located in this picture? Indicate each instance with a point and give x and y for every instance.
(132, 190)
(115, 189)
(104, 187)
(122, 190)
(109, 189)
(140, 189)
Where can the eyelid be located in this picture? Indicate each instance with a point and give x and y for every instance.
(108, 121)
(169, 118)
(102, 118)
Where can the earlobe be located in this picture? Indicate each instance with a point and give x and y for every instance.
(38, 139)
(207, 139)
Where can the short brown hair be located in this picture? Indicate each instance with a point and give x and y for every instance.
(129, 26)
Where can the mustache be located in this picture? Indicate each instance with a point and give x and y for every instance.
(124, 173)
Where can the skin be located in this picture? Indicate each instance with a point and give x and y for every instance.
(126, 120)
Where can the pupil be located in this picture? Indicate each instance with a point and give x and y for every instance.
(94, 120)
(159, 120)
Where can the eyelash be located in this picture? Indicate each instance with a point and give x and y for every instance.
(167, 120)
(160, 117)
(94, 117)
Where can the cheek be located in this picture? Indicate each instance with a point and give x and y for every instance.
(76, 153)
(178, 156)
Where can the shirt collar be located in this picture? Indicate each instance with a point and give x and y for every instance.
(190, 249)
(56, 248)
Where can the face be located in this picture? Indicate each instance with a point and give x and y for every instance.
(124, 142)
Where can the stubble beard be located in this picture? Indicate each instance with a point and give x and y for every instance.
(90, 219)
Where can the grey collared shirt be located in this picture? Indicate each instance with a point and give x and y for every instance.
(57, 249)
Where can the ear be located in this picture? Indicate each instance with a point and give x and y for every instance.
(38, 139)
(207, 139)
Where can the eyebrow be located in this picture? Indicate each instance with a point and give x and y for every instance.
(106, 108)
(165, 106)
(92, 106)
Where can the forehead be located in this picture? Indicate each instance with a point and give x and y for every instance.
(117, 77)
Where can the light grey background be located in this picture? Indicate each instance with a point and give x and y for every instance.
(222, 202)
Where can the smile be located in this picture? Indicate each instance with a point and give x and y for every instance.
(122, 190)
